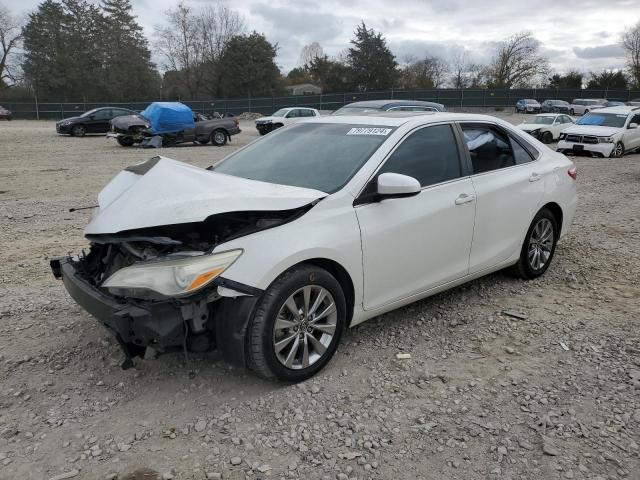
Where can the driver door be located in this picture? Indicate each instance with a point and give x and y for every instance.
(413, 244)
(632, 135)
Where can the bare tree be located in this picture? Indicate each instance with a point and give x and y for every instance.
(631, 43)
(430, 72)
(10, 38)
(517, 62)
(309, 53)
(460, 69)
(192, 42)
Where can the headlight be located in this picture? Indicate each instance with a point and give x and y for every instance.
(66, 123)
(605, 140)
(171, 278)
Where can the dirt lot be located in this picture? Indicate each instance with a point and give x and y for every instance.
(553, 394)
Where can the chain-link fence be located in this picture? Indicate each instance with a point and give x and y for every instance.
(451, 98)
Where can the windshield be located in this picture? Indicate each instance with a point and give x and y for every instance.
(603, 120)
(281, 113)
(355, 110)
(321, 156)
(543, 120)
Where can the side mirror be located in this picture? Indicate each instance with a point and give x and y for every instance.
(397, 185)
(633, 125)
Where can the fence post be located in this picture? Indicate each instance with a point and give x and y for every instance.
(391, 93)
(461, 97)
(484, 97)
(249, 96)
(37, 108)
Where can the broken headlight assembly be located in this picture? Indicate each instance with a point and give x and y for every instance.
(170, 278)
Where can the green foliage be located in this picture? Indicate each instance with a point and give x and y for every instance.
(75, 50)
(608, 80)
(572, 79)
(249, 67)
(373, 66)
(330, 75)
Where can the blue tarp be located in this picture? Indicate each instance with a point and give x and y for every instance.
(168, 117)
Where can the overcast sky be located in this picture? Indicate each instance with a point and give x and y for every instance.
(575, 34)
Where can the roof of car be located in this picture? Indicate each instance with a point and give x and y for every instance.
(550, 114)
(390, 103)
(620, 109)
(396, 119)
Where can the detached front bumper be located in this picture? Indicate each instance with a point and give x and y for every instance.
(164, 325)
(603, 149)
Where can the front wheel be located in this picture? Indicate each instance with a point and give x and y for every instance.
(297, 325)
(618, 150)
(219, 138)
(78, 131)
(571, 112)
(539, 246)
(125, 141)
(547, 137)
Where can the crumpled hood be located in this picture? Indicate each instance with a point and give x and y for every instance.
(592, 130)
(166, 192)
(527, 127)
(268, 120)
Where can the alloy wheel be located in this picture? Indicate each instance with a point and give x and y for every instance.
(540, 244)
(305, 327)
(218, 137)
(618, 151)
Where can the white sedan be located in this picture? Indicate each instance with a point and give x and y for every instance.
(283, 117)
(270, 254)
(547, 127)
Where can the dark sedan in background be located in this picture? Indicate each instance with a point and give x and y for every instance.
(377, 106)
(554, 106)
(4, 113)
(93, 121)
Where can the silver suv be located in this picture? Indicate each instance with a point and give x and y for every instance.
(580, 106)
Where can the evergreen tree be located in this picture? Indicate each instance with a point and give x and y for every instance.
(249, 67)
(572, 79)
(372, 64)
(126, 60)
(608, 80)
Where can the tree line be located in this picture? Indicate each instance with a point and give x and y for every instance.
(70, 50)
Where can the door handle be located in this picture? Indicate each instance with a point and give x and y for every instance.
(534, 177)
(465, 198)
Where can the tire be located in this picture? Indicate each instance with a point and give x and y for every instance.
(125, 141)
(275, 325)
(546, 138)
(618, 151)
(530, 265)
(78, 131)
(219, 137)
(571, 112)
(585, 112)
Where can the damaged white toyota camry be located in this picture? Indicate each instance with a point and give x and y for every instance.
(270, 254)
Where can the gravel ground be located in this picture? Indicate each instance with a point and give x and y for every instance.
(550, 392)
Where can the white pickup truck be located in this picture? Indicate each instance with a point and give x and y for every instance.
(284, 116)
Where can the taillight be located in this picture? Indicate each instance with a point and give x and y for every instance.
(573, 172)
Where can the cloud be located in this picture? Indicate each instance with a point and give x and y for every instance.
(613, 50)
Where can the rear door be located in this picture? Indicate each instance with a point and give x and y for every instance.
(412, 244)
(509, 186)
(99, 121)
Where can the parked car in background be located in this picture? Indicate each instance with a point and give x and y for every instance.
(93, 121)
(282, 117)
(634, 103)
(581, 106)
(5, 114)
(614, 103)
(174, 123)
(546, 127)
(606, 132)
(377, 106)
(554, 106)
(270, 254)
(528, 105)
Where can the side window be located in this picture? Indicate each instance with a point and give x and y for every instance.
(489, 148)
(635, 119)
(429, 155)
(119, 112)
(519, 153)
(103, 114)
(295, 113)
(306, 113)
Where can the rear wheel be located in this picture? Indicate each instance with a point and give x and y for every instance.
(571, 112)
(78, 131)
(539, 246)
(297, 325)
(219, 138)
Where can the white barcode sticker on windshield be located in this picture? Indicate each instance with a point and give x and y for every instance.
(369, 131)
